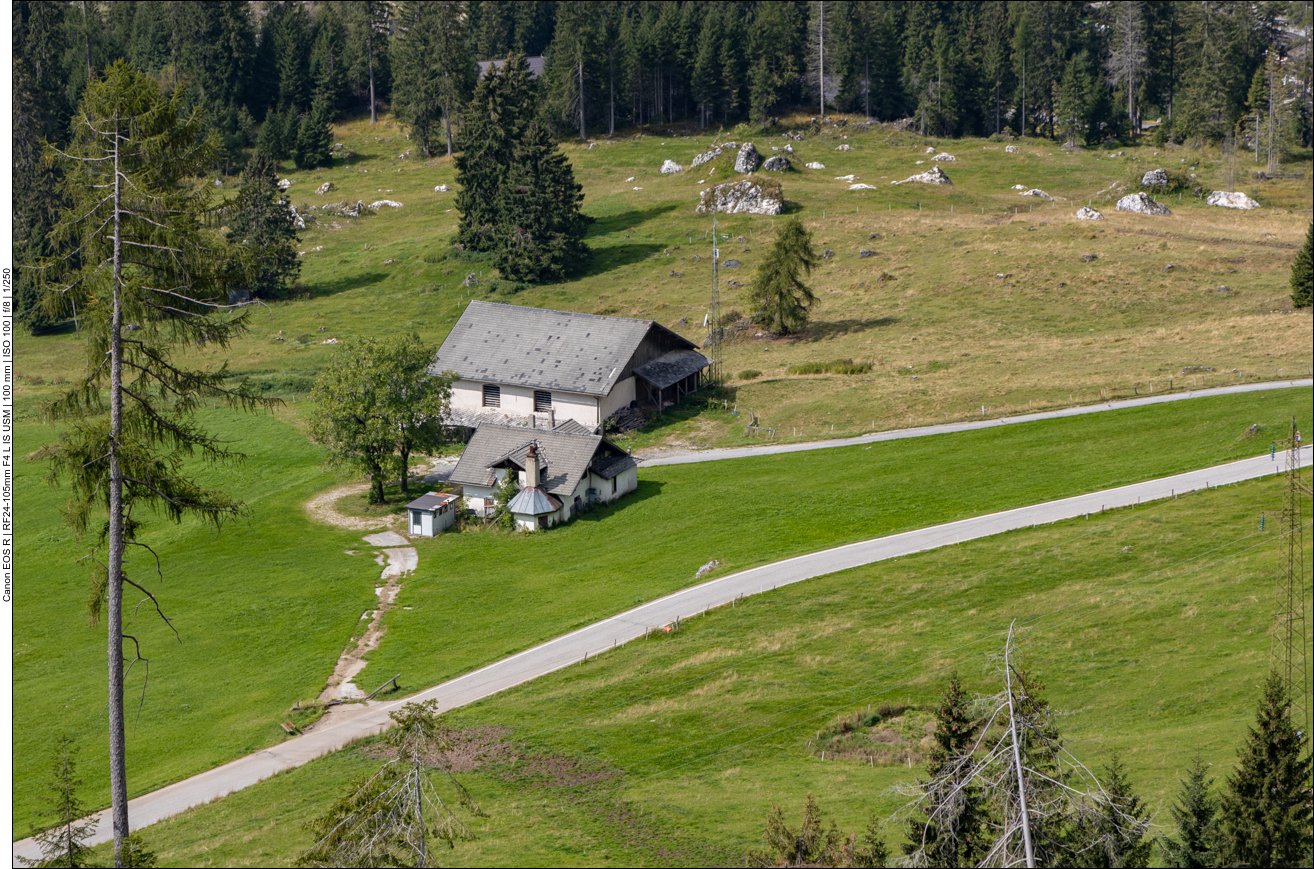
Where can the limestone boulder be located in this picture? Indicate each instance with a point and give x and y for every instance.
(1223, 199)
(1085, 213)
(1010, 149)
(746, 196)
(777, 164)
(670, 167)
(944, 158)
(324, 188)
(934, 175)
(384, 203)
(815, 165)
(747, 160)
(1140, 203)
(1037, 193)
(706, 157)
(1155, 178)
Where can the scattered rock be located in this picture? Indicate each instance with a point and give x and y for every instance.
(743, 197)
(827, 254)
(218, 182)
(324, 188)
(707, 568)
(1155, 178)
(1231, 200)
(864, 253)
(1089, 258)
(815, 165)
(934, 175)
(706, 157)
(375, 206)
(1168, 267)
(470, 280)
(389, 262)
(285, 184)
(1140, 203)
(777, 164)
(1019, 187)
(845, 147)
(1223, 289)
(628, 180)
(849, 178)
(748, 159)
(676, 274)
(1118, 154)
(1085, 213)
(1038, 193)
(670, 167)
(788, 149)
(1010, 149)
(930, 150)
(944, 158)
(862, 187)
(731, 264)
(441, 188)
(874, 235)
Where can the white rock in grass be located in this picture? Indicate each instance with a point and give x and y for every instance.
(849, 178)
(670, 167)
(1010, 149)
(1224, 199)
(441, 188)
(1140, 203)
(1019, 187)
(944, 158)
(324, 188)
(845, 147)
(284, 184)
(1085, 213)
(389, 203)
(628, 180)
(862, 187)
(741, 197)
(1155, 178)
(1038, 193)
(934, 175)
(930, 150)
(814, 165)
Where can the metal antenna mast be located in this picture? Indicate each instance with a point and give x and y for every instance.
(715, 333)
(1290, 634)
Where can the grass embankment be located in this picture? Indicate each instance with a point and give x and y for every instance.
(1148, 627)
(266, 608)
(962, 303)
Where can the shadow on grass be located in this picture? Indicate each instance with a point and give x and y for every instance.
(343, 283)
(68, 327)
(825, 329)
(628, 219)
(607, 258)
(647, 489)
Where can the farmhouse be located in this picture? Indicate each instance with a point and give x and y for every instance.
(559, 471)
(536, 368)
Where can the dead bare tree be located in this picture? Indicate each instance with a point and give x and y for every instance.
(1039, 805)
(1128, 55)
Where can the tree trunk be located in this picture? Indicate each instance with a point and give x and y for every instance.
(86, 33)
(376, 485)
(611, 78)
(369, 49)
(404, 482)
(1024, 97)
(582, 135)
(114, 566)
(447, 120)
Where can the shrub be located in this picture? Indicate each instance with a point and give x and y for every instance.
(749, 374)
(835, 366)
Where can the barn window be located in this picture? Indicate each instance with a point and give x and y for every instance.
(542, 401)
(492, 395)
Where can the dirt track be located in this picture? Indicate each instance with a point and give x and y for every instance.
(322, 508)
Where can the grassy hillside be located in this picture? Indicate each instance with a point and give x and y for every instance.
(1148, 626)
(946, 335)
(265, 609)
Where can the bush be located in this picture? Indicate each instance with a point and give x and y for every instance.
(750, 374)
(508, 287)
(835, 366)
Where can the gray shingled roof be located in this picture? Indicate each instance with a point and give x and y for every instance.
(542, 349)
(611, 466)
(672, 367)
(565, 456)
(431, 501)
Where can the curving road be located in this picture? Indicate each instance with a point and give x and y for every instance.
(368, 719)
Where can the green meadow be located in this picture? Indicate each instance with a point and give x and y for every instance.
(1147, 626)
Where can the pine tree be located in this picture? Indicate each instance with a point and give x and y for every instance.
(775, 38)
(573, 60)
(1302, 279)
(328, 73)
(504, 103)
(434, 72)
(36, 203)
(314, 139)
(951, 834)
(1266, 808)
(65, 842)
(1196, 814)
(262, 233)
(369, 22)
(1116, 835)
(778, 296)
(291, 34)
(278, 135)
(540, 231)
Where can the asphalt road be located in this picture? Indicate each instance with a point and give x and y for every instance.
(609, 633)
(684, 458)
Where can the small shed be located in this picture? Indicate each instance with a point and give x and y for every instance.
(432, 514)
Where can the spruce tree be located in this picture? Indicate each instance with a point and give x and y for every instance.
(540, 230)
(262, 233)
(1302, 274)
(1116, 836)
(65, 842)
(314, 139)
(951, 834)
(434, 72)
(504, 103)
(277, 135)
(1196, 813)
(1266, 808)
(328, 72)
(778, 296)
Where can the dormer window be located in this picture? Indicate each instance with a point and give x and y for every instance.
(492, 395)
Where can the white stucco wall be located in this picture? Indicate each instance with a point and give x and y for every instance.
(519, 401)
(572, 405)
(621, 395)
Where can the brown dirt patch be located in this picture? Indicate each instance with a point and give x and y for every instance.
(323, 508)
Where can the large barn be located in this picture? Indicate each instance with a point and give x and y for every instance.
(537, 368)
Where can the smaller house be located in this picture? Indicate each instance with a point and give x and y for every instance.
(432, 514)
(560, 471)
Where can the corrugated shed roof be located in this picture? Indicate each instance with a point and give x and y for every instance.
(542, 349)
(565, 456)
(534, 502)
(431, 501)
(672, 367)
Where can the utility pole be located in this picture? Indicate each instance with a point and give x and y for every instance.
(1290, 634)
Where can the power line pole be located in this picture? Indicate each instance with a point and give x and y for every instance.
(1290, 634)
